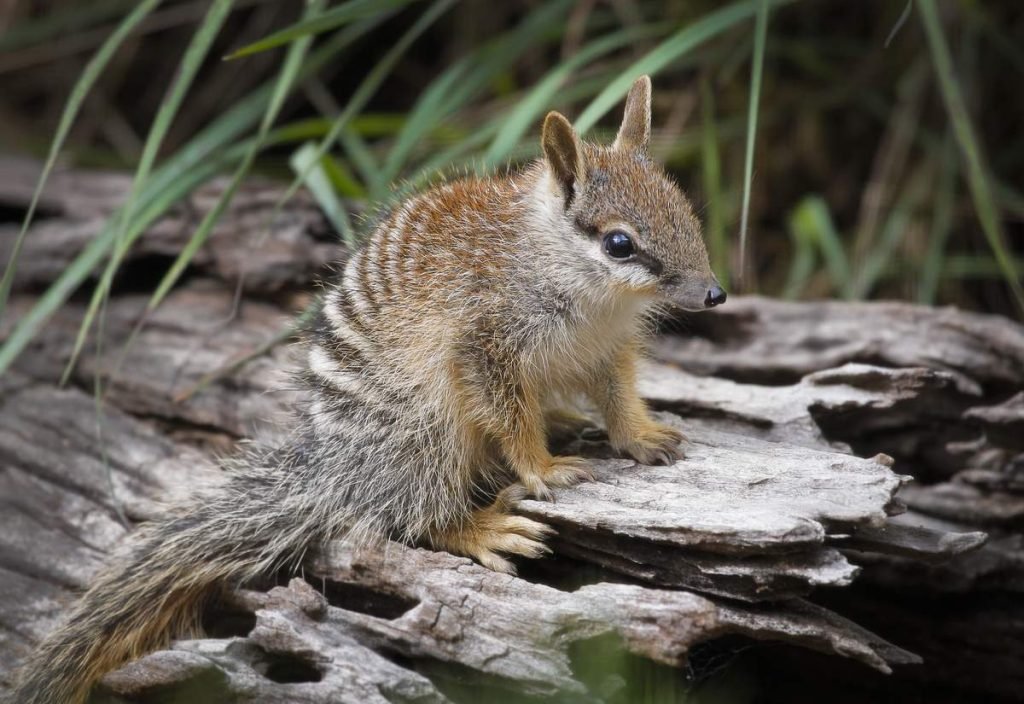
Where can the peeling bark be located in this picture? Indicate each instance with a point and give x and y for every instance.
(782, 403)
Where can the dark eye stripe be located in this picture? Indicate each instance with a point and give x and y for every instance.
(588, 228)
(652, 264)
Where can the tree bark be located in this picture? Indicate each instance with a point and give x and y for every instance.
(804, 421)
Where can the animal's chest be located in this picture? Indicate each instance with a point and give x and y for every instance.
(583, 347)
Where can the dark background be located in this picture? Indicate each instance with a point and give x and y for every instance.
(854, 148)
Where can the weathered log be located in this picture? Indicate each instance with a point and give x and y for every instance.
(70, 194)
(917, 537)
(855, 404)
(768, 341)
(265, 248)
(46, 431)
(513, 629)
(966, 503)
(770, 503)
(1004, 422)
(296, 651)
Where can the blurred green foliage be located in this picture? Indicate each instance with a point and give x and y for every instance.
(852, 137)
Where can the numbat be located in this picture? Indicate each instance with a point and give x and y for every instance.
(435, 366)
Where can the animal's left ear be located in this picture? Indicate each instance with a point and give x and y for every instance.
(635, 132)
(564, 154)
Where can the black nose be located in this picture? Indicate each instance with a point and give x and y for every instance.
(716, 297)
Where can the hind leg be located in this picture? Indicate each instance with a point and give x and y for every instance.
(562, 422)
(493, 530)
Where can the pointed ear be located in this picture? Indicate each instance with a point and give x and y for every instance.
(563, 152)
(635, 132)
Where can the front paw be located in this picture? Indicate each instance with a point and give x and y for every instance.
(557, 472)
(654, 444)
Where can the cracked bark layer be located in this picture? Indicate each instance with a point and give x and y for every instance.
(771, 503)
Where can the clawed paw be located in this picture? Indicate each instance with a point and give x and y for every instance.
(508, 534)
(559, 472)
(491, 532)
(656, 444)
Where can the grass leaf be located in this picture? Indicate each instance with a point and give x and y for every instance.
(366, 89)
(675, 46)
(528, 108)
(282, 87)
(192, 165)
(760, 39)
(970, 149)
(303, 161)
(893, 232)
(83, 85)
(332, 19)
(60, 20)
(711, 168)
(941, 225)
(195, 53)
(812, 225)
(804, 255)
(359, 155)
(152, 204)
(464, 80)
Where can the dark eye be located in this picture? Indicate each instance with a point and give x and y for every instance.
(619, 245)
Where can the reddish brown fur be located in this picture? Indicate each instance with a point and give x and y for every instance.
(472, 314)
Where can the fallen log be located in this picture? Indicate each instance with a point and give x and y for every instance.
(773, 503)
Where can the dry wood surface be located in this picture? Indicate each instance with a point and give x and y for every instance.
(793, 526)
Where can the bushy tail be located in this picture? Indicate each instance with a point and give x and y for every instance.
(129, 611)
(252, 525)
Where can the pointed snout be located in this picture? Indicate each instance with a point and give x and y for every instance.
(694, 292)
(716, 297)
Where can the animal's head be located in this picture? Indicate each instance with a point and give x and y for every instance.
(625, 213)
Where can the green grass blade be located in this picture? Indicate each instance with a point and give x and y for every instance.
(303, 161)
(49, 25)
(342, 180)
(711, 166)
(152, 205)
(812, 221)
(970, 149)
(332, 19)
(194, 164)
(527, 110)
(431, 106)
(449, 157)
(461, 153)
(968, 266)
(465, 79)
(190, 64)
(359, 155)
(188, 169)
(760, 39)
(878, 258)
(282, 88)
(900, 21)
(378, 124)
(1002, 41)
(367, 88)
(83, 85)
(675, 46)
(802, 263)
(941, 225)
